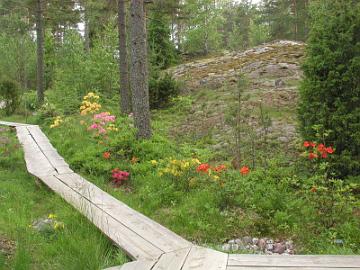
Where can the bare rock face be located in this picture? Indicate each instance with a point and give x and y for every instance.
(273, 71)
(279, 59)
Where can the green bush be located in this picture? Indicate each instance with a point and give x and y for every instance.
(330, 92)
(161, 90)
(10, 95)
(29, 100)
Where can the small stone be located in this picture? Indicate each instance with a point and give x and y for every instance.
(234, 247)
(262, 244)
(339, 242)
(269, 247)
(239, 241)
(226, 247)
(279, 248)
(255, 247)
(289, 244)
(232, 241)
(247, 240)
(43, 225)
(255, 241)
(267, 252)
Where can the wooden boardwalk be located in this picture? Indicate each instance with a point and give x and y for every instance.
(152, 246)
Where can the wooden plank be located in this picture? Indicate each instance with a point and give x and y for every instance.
(155, 233)
(36, 163)
(294, 261)
(134, 245)
(288, 268)
(12, 124)
(37, 134)
(138, 265)
(205, 259)
(172, 260)
(64, 170)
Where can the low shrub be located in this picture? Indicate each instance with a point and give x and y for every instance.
(161, 89)
(10, 95)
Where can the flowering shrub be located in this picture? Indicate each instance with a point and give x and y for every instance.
(90, 104)
(101, 123)
(315, 151)
(57, 121)
(118, 176)
(244, 170)
(106, 155)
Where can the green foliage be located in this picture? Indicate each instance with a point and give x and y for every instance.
(29, 100)
(77, 72)
(162, 50)
(10, 95)
(330, 92)
(80, 245)
(161, 89)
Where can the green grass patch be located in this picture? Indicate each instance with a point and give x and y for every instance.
(80, 245)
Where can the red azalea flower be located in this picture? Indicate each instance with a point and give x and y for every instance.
(312, 156)
(330, 150)
(204, 167)
(306, 144)
(244, 170)
(313, 189)
(324, 155)
(321, 148)
(220, 168)
(106, 155)
(312, 144)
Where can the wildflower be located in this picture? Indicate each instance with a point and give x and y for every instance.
(57, 121)
(52, 216)
(309, 144)
(216, 177)
(204, 167)
(58, 225)
(94, 126)
(195, 161)
(321, 148)
(220, 168)
(119, 176)
(153, 162)
(244, 170)
(106, 155)
(312, 156)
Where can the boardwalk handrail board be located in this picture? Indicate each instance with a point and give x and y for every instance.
(151, 245)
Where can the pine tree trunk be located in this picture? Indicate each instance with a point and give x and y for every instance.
(139, 70)
(40, 83)
(87, 30)
(125, 95)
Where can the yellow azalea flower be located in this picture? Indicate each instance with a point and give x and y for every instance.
(58, 225)
(216, 177)
(154, 162)
(52, 216)
(195, 161)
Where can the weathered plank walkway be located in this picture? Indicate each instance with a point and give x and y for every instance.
(152, 246)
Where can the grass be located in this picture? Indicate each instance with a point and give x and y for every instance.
(79, 245)
(274, 200)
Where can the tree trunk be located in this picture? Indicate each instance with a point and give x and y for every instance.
(139, 70)
(125, 95)
(87, 30)
(40, 83)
